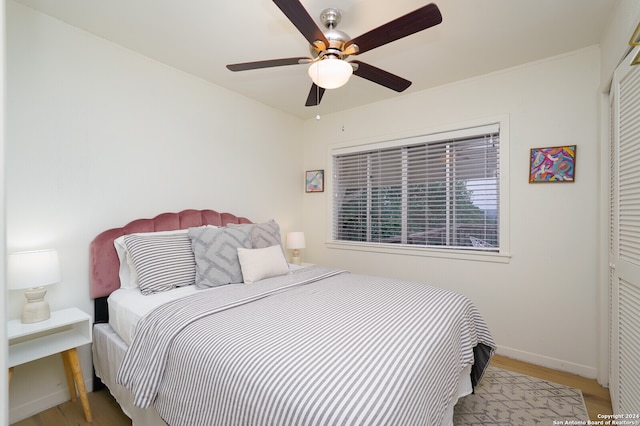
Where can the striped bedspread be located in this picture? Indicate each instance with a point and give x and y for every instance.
(315, 347)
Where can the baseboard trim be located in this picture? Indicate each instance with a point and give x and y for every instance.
(544, 361)
(21, 412)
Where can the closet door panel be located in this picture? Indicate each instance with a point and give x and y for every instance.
(624, 247)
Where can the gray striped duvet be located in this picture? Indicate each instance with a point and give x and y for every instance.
(314, 347)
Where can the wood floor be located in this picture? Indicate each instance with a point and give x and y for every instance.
(106, 411)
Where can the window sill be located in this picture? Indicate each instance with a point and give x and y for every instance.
(406, 250)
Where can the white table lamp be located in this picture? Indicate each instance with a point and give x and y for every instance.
(32, 270)
(295, 242)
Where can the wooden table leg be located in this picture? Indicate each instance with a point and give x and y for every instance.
(69, 372)
(74, 363)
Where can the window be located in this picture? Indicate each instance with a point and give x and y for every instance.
(438, 191)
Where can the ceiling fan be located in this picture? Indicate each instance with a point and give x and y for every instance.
(331, 47)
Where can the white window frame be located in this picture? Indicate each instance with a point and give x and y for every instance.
(501, 256)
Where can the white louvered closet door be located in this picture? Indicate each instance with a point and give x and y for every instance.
(624, 239)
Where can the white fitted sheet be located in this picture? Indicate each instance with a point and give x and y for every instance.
(128, 305)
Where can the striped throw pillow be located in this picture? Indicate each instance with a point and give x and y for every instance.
(162, 262)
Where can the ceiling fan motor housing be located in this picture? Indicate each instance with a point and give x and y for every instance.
(336, 39)
(330, 18)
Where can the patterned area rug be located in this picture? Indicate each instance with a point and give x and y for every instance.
(507, 398)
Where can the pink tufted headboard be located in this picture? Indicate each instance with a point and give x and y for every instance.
(104, 263)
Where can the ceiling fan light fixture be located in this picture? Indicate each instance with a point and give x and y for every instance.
(330, 73)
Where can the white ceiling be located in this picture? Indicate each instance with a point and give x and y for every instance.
(202, 36)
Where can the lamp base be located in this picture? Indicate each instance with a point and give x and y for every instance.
(36, 309)
(295, 257)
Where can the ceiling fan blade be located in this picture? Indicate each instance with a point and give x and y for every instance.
(381, 77)
(315, 95)
(300, 18)
(268, 64)
(411, 23)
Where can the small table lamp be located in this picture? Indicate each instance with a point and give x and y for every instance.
(295, 242)
(32, 270)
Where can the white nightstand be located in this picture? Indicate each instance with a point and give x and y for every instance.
(63, 333)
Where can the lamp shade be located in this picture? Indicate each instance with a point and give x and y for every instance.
(32, 269)
(295, 240)
(330, 73)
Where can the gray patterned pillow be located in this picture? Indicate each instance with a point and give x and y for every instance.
(216, 255)
(263, 235)
(266, 235)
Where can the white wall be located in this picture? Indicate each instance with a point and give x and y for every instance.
(623, 21)
(98, 135)
(542, 305)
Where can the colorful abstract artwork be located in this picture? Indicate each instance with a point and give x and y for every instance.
(553, 164)
(314, 181)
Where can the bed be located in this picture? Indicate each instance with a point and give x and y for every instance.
(200, 321)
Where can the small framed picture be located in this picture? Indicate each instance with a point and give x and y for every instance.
(314, 181)
(553, 164)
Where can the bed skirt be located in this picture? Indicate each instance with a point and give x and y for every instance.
(108, 351)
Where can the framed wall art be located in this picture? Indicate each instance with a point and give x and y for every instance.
(314, 181)
(552, 164)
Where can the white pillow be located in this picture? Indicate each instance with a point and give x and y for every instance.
(257, 264)
(128, 274)
(128, 278)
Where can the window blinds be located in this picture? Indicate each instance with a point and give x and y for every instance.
(435, 190)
